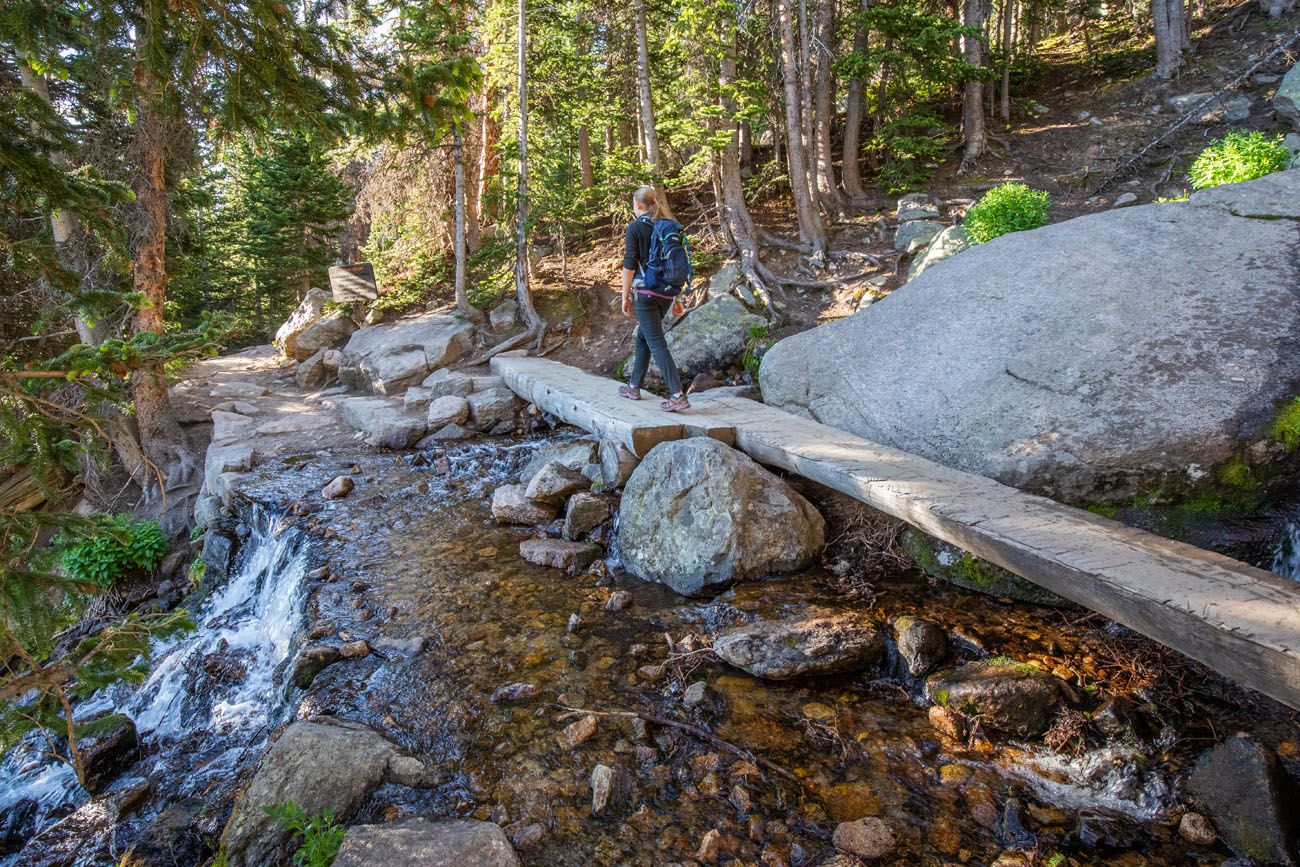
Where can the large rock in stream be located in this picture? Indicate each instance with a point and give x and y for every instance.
(389, 358)
(1127, 352)
(820, 642)
(1252, 801)
(318, 766)
(697, 515)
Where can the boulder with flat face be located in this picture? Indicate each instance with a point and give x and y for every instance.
(442, 843)
(1131, 351)
(697, 515)
(1287, 97)
(388, 358)
(310, 309)
(386, 423)
(328, 332)
(816, 642)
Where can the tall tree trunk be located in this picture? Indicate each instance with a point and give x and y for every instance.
(584, 157)
(1008, 15)
(161, 438)
(649, 135)
(522, 292)
(828, 190)
(807, 101)
(746, 142)
(1166, 18)
(811, 230)
(487, 161)
(974, 15)
(851, 172)
(468, 310)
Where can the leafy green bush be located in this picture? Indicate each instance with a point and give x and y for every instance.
(1005, 209)
(321, 834)
(1238, 156)
(119, 548)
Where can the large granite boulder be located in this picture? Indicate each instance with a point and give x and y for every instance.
(1004, 695)
(318, 766)
(386, 423)
(944, 245)
(388, 358)
(1287, 97)
(713, 337)
(327, 332)
(1131, 351)
(449, 843)
(1241, 784)
(310, 309)
(697, 515)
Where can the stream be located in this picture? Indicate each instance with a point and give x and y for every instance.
(415, 565)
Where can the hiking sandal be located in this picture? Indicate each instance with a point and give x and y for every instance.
(676, 403)
(631, 392)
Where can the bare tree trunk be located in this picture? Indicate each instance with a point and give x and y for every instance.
(650, 136)
(811, 230)
(807, 101)
(1008, 11)
(974, 14)
(161, 438)
(584, 158)
(851, 172)
(746, 137)
(828, 190)
(1165, 17)
(487, 163)
(468, 310)
(524, 295)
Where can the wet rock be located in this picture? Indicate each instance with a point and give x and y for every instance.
(618, 600)
(1197, 830)
(1004, 695)
(339, 488)
(1106, 832)
(312, 372)
(515, 692)
(572, 557)
(921, 644)
(915, 234)
(575, 456)
(17, 824)
(584, 513)
(451, 433)
(578, 732)
(410, 772)
(946, 721)
(393, 646)
(493, 406)
(698, 515)
(312, 661)
(219, 551)
(447, 843)
(944, 560)
(355, 649)
(1116, 720)
(1010, 830)
(109, 745)
(709, 848)
(385, 422)
(309, 309)
(617, 464)
(696, 694)
(529, 836)
(326, 333)
(554, 483)
(818, 643)
(575, 623)
(1242, 787)
(318, 766)
(609, 787)
(511, 506)
(866, 838)
(445, 410)
(388, 358)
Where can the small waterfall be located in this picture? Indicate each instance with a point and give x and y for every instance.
(211, 696)
(1286, 561)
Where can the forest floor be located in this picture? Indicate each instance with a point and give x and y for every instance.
(1101, 108)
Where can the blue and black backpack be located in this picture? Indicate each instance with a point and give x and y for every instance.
(668, 268)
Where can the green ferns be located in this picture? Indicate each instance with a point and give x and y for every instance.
(1006, 209)
(120, 547)
(1238, 156)
(321, 834)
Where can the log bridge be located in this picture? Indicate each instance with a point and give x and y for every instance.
(1240, 621)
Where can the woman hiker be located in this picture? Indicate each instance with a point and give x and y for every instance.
(650, 307)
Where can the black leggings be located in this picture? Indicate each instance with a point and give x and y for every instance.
(650, 340)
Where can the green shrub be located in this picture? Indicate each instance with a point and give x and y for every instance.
(1005, 209)
(1238, 156)
(321, 835)
(121, 547)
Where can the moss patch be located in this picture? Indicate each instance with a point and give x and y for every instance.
(1286, 426)
(938, 558)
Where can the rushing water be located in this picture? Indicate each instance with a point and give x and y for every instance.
(1286, 562)
(196, 722)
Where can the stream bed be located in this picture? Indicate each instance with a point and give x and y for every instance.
(412, 562)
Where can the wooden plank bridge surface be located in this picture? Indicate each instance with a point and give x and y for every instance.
(1241, 621)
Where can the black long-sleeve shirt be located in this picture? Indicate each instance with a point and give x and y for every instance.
(636, 244)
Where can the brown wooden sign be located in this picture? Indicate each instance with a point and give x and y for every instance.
(353, 282)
